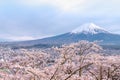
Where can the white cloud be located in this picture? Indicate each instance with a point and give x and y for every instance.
(24, 38)
(8, 37)
(64, 5)
(82, 6)
(114, 29)
(16, 38)
(20, 38)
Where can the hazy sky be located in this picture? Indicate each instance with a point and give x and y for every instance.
(33, 19)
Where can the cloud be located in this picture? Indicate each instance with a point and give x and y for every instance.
(93, 7)
(9, 37)
(24, 19)
(16, 38)
(21, 38)
(114, 28)
(64, 5)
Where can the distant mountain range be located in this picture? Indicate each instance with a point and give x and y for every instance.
(89, 31)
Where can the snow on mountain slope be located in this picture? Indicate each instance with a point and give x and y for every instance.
(89, 28)
(81, 33)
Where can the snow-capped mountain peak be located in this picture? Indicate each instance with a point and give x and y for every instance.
(89, 28)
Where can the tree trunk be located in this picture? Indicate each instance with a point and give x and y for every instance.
(80, 72)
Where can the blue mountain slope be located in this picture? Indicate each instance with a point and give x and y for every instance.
(89, 32)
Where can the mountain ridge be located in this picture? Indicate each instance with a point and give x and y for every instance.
(94, 33)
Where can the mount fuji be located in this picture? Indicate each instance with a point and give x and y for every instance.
(89, 32)
(89, 28)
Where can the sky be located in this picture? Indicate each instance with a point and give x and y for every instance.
(35, 19)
